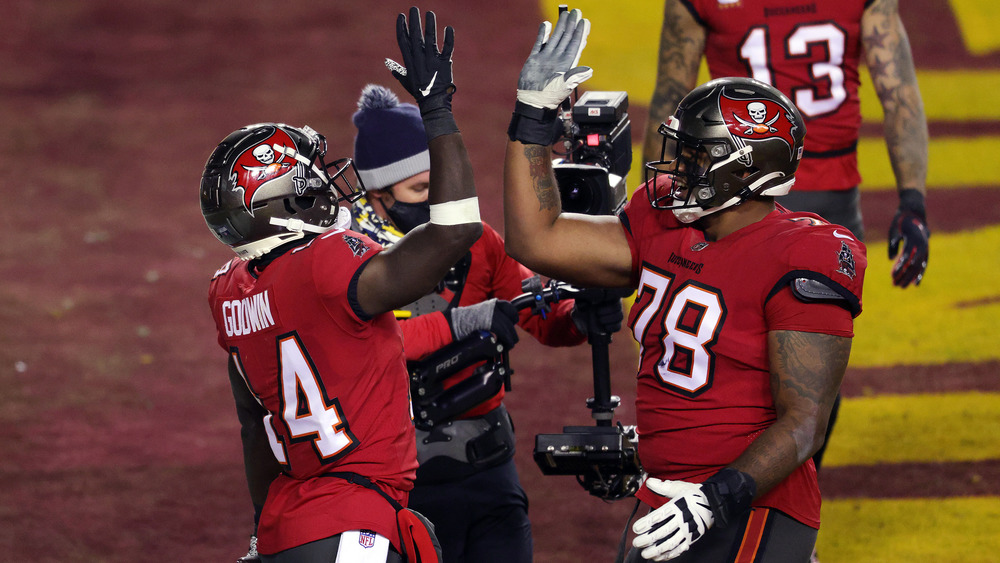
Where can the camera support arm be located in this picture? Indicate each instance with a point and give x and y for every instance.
(538, 297)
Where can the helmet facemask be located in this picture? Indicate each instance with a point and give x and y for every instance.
(686, 182)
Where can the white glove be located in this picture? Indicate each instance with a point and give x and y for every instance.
(671, 529)
(251, 556)
(550, 74)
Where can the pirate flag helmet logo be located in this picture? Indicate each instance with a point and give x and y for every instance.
(261, 166)
(758, 120)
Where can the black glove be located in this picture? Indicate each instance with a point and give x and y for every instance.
(426, 72)
(909, 226)
(251, 556)
(494, 315)
(603, 316)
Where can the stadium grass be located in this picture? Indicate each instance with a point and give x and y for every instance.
(950, 530)
(951, 317)
(916, 428)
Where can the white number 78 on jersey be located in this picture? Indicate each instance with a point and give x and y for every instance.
(691, 317)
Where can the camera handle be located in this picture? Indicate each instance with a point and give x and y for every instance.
(603, 404)
(539, 296)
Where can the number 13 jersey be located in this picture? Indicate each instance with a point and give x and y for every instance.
(808, 50)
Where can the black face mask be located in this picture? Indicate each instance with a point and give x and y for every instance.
(409, 216)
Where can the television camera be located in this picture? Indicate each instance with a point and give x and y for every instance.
(596, 153)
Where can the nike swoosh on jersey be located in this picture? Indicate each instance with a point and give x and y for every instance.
(838, 235)
(426, 91)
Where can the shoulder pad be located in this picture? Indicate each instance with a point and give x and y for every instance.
(810, 290)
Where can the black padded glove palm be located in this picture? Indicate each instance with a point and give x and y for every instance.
(494, 315)
(909, 226)
(426, 72)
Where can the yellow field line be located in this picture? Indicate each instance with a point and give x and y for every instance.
(977, 21)
(942, 171)
(916, 428)
(949, 95)
(949, 530)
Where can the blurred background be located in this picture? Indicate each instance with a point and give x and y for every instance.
(119, 434)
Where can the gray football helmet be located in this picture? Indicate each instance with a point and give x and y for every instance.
(268, 184)
(729, 140)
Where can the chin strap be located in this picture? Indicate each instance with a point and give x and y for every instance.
(298, 225)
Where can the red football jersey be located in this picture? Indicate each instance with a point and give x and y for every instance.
(701, 316)
(335, 386)
(808, 50)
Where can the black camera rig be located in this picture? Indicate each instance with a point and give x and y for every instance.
(602, 457)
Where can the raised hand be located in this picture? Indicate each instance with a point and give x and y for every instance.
(548, 77)
(426, 72)
(551, 73)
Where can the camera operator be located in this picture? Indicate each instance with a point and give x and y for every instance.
(467, 483)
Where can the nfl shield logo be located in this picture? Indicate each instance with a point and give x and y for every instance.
(366, 539)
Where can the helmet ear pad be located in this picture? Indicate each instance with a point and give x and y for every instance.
(267, 183)
(750, 133)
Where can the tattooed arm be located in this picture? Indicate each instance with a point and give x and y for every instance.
(806, 371)
(587, 250)
(890, 62)
(682, 43)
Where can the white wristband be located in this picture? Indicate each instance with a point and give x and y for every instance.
(456, 212)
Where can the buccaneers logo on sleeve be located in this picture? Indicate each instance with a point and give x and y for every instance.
(357, 246)
(757, 120)
(262, 166)
(846, 259)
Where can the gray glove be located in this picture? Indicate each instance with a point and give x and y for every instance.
(494, 315)
(549, 76)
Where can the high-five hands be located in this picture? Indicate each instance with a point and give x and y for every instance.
(549, 76)
(551, 73)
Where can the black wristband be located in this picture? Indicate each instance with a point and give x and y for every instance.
(910, 199)
(534, 126)
(729, 494)
(439, 122)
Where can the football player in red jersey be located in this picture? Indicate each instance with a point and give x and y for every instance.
(305, 315)
(811, 52)
(467, 482)
(744, 310)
